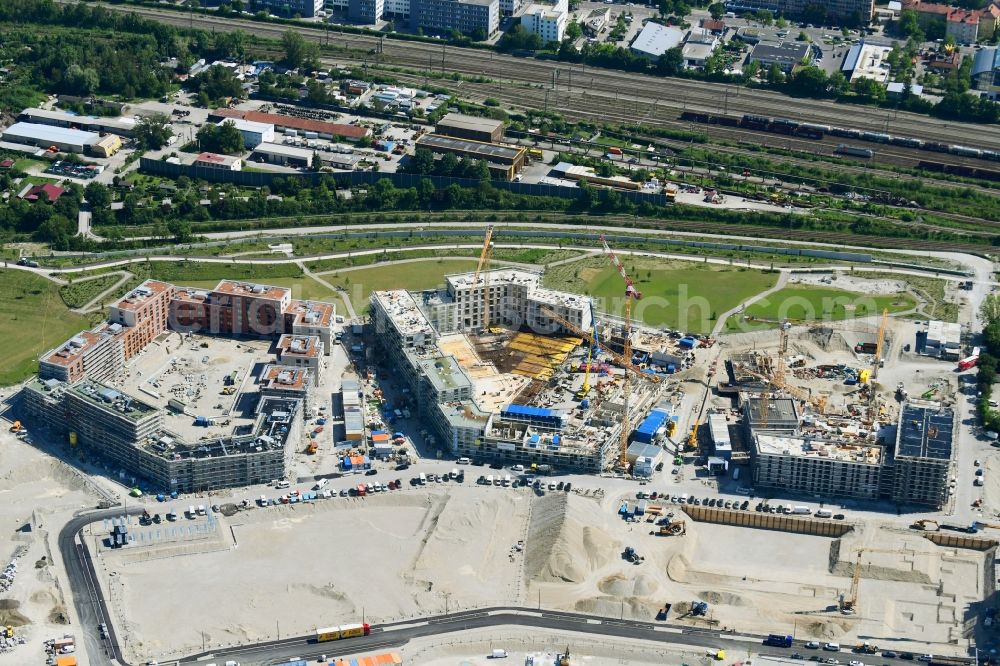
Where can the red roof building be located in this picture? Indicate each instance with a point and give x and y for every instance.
(52, 192)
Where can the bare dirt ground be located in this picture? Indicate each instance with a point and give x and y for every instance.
(297, 567)
(34, 488)
(421, 551)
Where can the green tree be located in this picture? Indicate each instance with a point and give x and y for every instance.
(809, 81)
(573, 31)
(153, 131)
(869, 90)
(98, 195)
(671, 62)
(764, 16)
(298, 51)
(517, 38)
(909, 23)
(80, 81)
(781, 23)
(717, 10)
(316, 164)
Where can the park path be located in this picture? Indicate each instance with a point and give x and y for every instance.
(333, 290)
(720, 323)
(96, 302)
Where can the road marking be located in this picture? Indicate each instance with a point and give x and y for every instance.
(593, 622)
(736, 637)
(669, 630)
(397, 627)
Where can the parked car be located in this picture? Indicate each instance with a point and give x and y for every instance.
(371, 472)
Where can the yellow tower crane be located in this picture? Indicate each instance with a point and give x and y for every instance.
(484, 262)
(630, 293)
(880, 344)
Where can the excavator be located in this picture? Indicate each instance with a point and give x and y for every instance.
(16, 426)
(926, 524)
(673, 528)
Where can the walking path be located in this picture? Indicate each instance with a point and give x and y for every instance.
(720, 323)
(333, 290)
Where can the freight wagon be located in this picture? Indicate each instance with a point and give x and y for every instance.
(342, 631)
(844, 149)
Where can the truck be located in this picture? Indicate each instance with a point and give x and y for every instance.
(319, 484)
(801, 510)
(970, 361)
(342, 631)
(778, 640)
(614, 151)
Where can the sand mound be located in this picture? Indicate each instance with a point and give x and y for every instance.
(9, 615)
(722, 598)
(561, 547)
(619, 586)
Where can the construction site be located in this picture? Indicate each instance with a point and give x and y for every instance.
(509, 371)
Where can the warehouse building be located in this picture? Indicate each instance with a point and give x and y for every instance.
(322, 129)
(504, 162)
(944, 340)
(986, 71)
(254, 133)
(64, 140)
(474, 128)
(786, 55)
(654, 40)
(123, 126)
(465, 16)
(867, 61)
(921, 464)
(292, 156)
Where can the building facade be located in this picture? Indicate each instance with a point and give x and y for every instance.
(835, 9)
(365, 11)
(547, 21)
(465, 16)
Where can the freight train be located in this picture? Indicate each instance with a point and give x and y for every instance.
(817, 132)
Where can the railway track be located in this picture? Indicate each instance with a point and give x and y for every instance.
(608, 88)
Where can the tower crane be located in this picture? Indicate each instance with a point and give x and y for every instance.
(849, 604)
(630, 293)
(484, 261)
(592, 353)
(879, 344)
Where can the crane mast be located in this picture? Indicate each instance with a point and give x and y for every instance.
(484, 262)
(630, 293)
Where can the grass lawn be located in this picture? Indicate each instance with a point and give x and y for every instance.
(413, 276)
(823, 303)
(33, 319)
(683, 295)
(25, 163)
(79, 293)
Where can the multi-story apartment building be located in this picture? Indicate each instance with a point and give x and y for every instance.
(232, 308)
(143, 313)
(465, 16)
(302, 351)
(98, 353)
(366, 11)
(547, 21)
(921, 462)
(835, 9)
(814, 466)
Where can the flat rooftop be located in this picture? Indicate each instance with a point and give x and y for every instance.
(250, 289)
(487, 151)
(402, 309)
(113, 399)
(145, 291)
(926, 430)
(303, 346)
(778, 409)
(445, 373)
(77, 346)
(37, 132)
(500, 276)
(473, 123)
(280, 377)
(312, 313)
(813, 448)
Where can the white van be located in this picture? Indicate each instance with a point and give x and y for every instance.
(823, 513)
(517, 468)
(191, 512)
(201, 509)
(282, 484)
(801, 510)
(684, 498)
(263, 500)
(489, 479)
(831, 647)
(506, 480)
(463, 461)
(454, 473)
(423, 478)
(321, 483)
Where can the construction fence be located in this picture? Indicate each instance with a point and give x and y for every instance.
(769, 521)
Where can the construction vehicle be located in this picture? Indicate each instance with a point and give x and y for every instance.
(563, 659)
(849, 604)
(629, 555)
(630, 293)
(620, 359)
(925, 525)
(661, 615)
(673, 528)
(699, 608)
(692, 443)
(866, 648)
(9, 631)
(312, 448)
(484, 262)
(16, 426)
